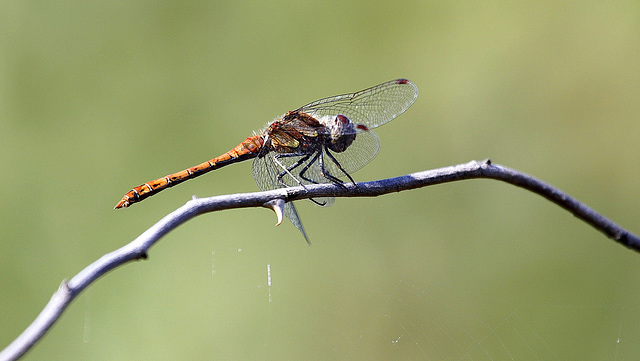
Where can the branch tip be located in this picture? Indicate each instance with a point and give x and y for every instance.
(65, 286)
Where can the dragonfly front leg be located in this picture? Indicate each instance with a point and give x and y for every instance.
(335, 161)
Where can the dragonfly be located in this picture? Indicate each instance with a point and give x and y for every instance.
(321, 142)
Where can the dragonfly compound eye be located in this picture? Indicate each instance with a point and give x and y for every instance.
(342, 119)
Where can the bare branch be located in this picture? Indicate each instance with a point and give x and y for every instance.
(139, 247)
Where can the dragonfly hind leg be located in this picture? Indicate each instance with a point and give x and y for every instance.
(287, 170)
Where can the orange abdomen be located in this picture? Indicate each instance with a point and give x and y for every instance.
(243, 151)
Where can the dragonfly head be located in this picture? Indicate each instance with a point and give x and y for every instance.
(342, 133)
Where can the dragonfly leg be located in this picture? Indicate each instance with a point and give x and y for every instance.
(318, 158)
(326, 173)
(306, 168)
(287, 170)
(335, 161)
(301, 174)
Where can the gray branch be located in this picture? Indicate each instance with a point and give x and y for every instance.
(139, 247)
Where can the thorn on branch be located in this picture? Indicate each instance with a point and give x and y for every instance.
(277, 205)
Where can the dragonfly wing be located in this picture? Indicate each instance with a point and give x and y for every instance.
(287, 170)
(292, 214)
(278, 170)
(372, 107)
(364, 148)
(267, 171)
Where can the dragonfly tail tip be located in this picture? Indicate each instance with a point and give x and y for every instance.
(122, 204)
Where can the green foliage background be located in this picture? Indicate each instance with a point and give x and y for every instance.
(97, 97)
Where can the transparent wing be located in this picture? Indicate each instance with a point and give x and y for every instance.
(285, 170)
(372, 107)
(291, 213)
(288, 170)
(265, 172)
(362, 151)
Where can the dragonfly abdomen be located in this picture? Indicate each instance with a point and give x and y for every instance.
(243, 151)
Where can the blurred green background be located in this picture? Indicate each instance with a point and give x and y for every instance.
(98, 97)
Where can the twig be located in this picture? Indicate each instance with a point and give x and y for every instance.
(139, 247)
